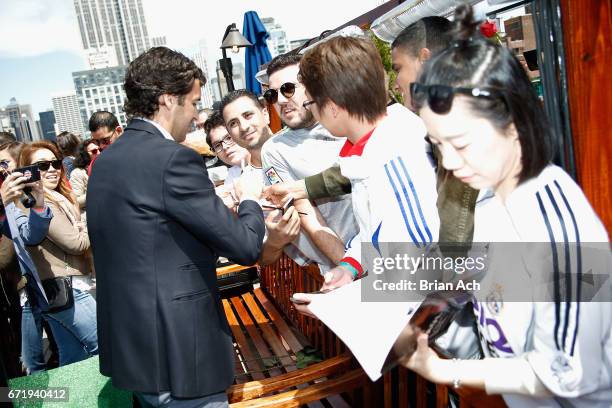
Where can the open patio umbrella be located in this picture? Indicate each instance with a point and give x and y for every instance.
(257, 55)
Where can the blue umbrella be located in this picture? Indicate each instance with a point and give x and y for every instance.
(254, 31)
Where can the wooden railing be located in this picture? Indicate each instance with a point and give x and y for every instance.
(397, 388)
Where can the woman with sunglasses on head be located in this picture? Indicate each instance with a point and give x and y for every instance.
(86, 152)
(62, 259)
(479, 108)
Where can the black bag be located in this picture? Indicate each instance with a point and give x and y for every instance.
(59, 293)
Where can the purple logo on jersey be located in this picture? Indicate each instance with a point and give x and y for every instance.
(491, 331)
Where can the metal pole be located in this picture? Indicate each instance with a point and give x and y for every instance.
(227, 69)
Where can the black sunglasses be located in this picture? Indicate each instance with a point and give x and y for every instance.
(440, 97)
(287, 89)
(44, 165)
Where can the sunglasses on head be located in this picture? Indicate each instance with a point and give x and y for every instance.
(44, 165)
(440, 97)
(287, 89)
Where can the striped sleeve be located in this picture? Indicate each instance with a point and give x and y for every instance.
(568, 353)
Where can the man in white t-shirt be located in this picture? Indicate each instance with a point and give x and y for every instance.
(226, 149)
(302, 149)
(247, 121)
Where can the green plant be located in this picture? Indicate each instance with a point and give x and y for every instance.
(384, 49)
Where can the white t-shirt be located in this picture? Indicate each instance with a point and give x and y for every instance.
(294, 154)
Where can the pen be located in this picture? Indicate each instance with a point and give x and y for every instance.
(270, 207)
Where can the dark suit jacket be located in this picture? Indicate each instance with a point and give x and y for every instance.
(156, 228)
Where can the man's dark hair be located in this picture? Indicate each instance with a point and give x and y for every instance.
(67, 143)
(349, 72)
(102, 119)
(158, 71)
(214, 120)
(433, 33)
(478, 62)
(237, 94)
(282, 61)
(7, 137)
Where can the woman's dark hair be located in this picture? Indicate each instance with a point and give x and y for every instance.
(82, 158)
(67, 143)
(158, 71)
(13, 149)
(473, 61)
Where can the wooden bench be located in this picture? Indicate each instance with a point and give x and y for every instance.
(269, 334)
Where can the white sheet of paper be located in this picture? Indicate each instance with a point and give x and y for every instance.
(369, 329)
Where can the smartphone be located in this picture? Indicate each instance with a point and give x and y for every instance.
(288, 204)
(31, 172)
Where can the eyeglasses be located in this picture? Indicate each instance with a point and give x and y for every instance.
(44, 165)
(94, 151)
(306, 104)
(440, 97)
(227, 141)
(287, 89)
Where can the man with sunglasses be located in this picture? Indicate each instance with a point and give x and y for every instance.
(104, 128)
(303, 149)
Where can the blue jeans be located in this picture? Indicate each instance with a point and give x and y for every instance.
(75, 329)
(32, 354)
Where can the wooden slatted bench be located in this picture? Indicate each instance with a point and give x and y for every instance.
(266, 373)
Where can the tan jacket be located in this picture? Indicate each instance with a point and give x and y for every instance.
(78, 182)
(65, 250)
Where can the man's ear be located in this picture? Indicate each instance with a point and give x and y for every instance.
(266, 114)
(119, 130)
(165, 100)
(424, 55)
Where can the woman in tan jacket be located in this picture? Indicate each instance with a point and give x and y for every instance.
(62, 259)
(86, 151)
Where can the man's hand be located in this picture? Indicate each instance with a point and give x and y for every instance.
(12, 188)
(283, 230)
(302, 304)
(280, 193)
(248, 186)
(337, 277)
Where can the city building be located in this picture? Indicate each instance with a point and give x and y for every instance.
(100, 90)
(21, 120)
(47, 125)
(200, 60)
(66, 112)
(158, 41)
(278, 43)
(113, 32)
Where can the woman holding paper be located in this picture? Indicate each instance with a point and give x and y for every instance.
(479, 108)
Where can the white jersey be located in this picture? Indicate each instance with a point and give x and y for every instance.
(393, 184)
(566, 344)
(294, 154)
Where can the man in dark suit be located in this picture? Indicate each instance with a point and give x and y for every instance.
(156, 229)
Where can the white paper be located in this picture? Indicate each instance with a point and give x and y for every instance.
(369, 329)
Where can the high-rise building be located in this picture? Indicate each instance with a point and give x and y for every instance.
(66, 112)
(21, 119)
(113, 32)
(100, 90)
(158, 41)
(5, 122)
(278, 43)
(200, 60)
(47, 125)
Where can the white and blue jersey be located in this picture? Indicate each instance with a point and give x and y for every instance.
(557, 352)
(393, 185)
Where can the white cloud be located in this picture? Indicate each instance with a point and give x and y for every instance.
(34, 27)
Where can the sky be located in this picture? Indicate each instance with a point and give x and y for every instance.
(41, 45)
